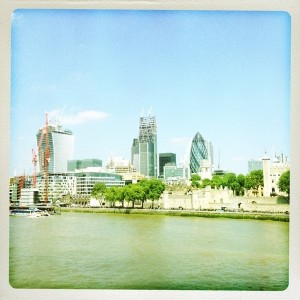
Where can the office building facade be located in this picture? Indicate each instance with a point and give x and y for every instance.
(60, 143)
(166, 159)
(144, 149)
(198, 152)
(175, 174)
(79, 164)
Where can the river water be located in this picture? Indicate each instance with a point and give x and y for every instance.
(116, 251)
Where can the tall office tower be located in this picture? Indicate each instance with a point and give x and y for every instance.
(210, 152)
(135, 157)
(197, 153)
(148, 146)
(60, 143)
(144, 150)
(200, 156)
(166, 159)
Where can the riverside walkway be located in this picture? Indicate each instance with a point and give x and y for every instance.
(185, 213)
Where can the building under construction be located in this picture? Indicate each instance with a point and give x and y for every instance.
(60, 144)
(144, 149)
(55, 148)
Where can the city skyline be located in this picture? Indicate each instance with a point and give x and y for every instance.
(224, 74)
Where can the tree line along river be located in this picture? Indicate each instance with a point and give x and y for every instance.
(132, 251)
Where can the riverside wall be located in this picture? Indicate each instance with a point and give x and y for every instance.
(183, 213)
(213, 199)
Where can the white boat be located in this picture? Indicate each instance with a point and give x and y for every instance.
(34, 215)
(29, 212)
(39, 214)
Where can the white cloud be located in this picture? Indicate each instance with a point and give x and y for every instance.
(78, 118)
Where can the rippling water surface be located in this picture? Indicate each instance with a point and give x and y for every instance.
(106, 251)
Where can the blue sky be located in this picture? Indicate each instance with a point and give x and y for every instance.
(224, 74)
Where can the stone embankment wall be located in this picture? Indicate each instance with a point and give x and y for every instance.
(213, 199)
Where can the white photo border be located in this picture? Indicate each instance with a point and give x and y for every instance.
(290, 6)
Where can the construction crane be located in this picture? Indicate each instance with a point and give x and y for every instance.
(34, 161)
(45, 158)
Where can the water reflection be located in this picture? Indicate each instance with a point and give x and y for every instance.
(98, 251)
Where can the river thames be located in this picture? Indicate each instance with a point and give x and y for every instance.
(118, 251)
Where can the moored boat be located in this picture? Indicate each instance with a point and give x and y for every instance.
(29, 212)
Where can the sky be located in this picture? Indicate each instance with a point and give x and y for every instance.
(223, 74)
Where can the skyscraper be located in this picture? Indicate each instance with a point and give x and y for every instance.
(135, 157)
(60, 143)
(198, 153)
(144, 149)
(164, 160)
(200, 156)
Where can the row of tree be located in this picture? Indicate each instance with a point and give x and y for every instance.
(153, 188)
(240, 183)
(144, 190)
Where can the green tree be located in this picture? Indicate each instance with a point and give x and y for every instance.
(119, 195)
(110, 195)
(254, 179)
(284, 182)
(241, 185)
(195, 180)
(134, 192)
(153, 188)
(126, 194)
(205, 182)
(234, 183)
(217, 181)
(195, 177)
(98, 190)
(229, 180)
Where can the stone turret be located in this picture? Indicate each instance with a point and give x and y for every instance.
(266, 173)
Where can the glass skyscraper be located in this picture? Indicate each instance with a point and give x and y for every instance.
(61, 144)
(144, 149)
(199, 153)
(166, 159)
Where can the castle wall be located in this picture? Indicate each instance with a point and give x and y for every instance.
(213, 199)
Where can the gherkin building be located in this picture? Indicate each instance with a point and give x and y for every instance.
(198, 152)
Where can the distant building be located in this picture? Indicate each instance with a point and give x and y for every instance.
(135, 156)
(174, 174)
(166, 159)
(16, 185)
(29, 196)
(144, 149)
(210, 152)
(59, 184)
(80, 182)
(61, 144)
(85, 181)
(254, 165)
(79, 164)
(200, 156)
(272, 172)
(119, 165)
(219, 172)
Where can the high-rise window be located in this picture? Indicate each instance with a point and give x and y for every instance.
(60, 143)
(144, 149)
